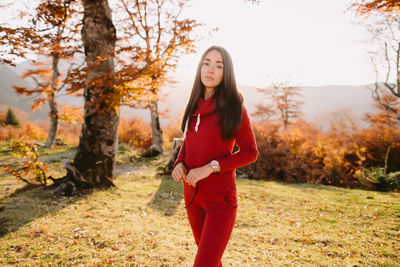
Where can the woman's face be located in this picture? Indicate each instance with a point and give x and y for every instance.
(212, 69)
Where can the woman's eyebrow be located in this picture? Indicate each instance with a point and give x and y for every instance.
(218, 61)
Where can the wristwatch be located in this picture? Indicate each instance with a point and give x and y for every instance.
(215, 165)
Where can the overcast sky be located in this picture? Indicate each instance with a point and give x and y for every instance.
(311, 42)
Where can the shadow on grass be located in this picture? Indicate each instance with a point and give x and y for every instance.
(168, 197)
(26, 205)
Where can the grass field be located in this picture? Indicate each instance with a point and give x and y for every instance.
(142, 222)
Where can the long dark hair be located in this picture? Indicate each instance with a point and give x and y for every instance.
(226, 95)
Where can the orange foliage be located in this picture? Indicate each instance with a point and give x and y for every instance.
(135, 132)
(72, 115)
(376, 140)
(305, 154)
(173, 130)
(38, 131)
(388, 110)
(69, 132)
(2, 119)
(285, 103)
(31, 171)
(289, 155)
(365, 7)
(25, 132)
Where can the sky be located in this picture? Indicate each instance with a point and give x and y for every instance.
(308, 42)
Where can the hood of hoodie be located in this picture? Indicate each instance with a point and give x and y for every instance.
(205, 107)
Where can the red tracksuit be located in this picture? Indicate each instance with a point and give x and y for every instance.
(212, 204)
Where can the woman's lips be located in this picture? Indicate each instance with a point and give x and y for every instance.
(209, 78)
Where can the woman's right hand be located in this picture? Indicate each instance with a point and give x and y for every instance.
(180, 172)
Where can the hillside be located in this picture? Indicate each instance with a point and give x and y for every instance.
(8, 96)
(142, 222)
(319, 101)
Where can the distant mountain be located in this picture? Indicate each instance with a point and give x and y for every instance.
(319, 101)
(8, 96)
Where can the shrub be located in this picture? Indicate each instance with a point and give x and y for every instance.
(284, 157)
(135, 132)
(170, 132)
(27, 131)
(376, 140)
(68, 132)
(305, 154)
(377, 178)
(31, 171)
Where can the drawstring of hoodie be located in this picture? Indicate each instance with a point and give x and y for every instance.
(196, 128)
(195, 192)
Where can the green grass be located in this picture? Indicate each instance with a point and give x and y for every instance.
(142, 222)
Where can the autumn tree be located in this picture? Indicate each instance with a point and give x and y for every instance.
(158, 37)
(264, 111)
(51, 33)
(11, 48)
(94, 159)
(385, 117)
(367, 7)
(285, 103)
(381, 20)
(112, 76)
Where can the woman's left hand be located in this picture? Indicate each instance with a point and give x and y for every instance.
(197, 174)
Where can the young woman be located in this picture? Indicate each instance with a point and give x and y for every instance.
(213, 120)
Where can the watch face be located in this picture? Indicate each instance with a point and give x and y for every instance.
(215, 165)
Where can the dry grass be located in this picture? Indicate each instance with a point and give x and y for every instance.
(142, 222)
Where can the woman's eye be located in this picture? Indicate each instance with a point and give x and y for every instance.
(205, 63)
(220, 67)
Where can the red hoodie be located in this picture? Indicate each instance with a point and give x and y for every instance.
(206, 144)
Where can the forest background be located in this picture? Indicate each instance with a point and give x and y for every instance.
(338, 135)
(91, 98)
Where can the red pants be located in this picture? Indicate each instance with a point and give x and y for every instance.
(212, 216)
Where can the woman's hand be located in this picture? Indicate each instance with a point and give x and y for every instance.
(197, 174)
(179, 173)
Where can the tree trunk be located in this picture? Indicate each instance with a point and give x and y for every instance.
(53, 114)
(155, 126)
(398, 70)
(95, 156)
(53, 122)
(176, 147)
(157, 147)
